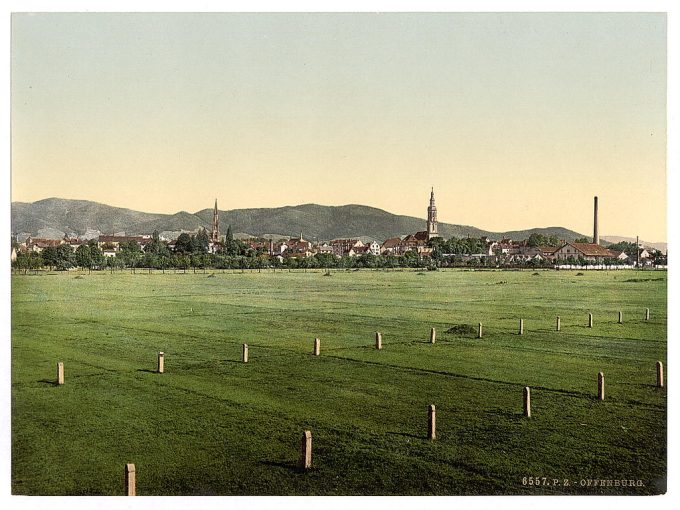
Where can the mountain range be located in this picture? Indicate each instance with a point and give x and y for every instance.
(315, 222)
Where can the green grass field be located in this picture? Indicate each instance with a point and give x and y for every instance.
(214, 425)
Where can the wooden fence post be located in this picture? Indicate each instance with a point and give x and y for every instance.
(245, 353)
(521, 326)
(317, 347)
(130, 480)
(479, 331)
(433, 335)
(558, 324)
(161, 362)
(659, 374)
(590, 320)
(620, 317)
(600, 386)
(60, 373)
(431, 422)
(646, 314)
(527, 401)
(378, 340)
(306, 450)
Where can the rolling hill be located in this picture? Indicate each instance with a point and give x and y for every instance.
(314, 221)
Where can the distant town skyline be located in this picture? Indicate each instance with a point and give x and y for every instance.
(517, 120)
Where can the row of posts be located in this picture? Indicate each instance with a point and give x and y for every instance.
(527, 391)
(378, 340)
(305, 461)
(558, 322)
(600, 388)
(378, 343)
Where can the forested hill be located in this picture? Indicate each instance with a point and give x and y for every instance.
(314, 221)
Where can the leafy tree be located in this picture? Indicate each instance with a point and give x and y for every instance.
(201, 241)
(366, 260)
(411, 259)
(50, 257)
(156, 246)
(83, 256)
(28, 260)
(150, 260)
(96, 255)
(183, 243)
(65, 257)
(536, 239)
(629, 249)
(582, 240)
(164, 260)
(232, 246)
(325, 260)
(130, 253)
(182, 262)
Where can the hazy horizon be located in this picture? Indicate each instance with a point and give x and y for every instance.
(419, 216)
(517, 120)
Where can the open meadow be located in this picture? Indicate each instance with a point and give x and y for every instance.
(211, 424)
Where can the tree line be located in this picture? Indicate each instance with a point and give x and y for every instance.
(191, 253)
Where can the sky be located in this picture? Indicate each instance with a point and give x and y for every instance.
(517, 120)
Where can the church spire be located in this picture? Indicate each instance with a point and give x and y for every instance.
(432, 218)
(215, 233)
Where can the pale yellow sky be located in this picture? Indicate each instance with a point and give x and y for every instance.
(517, 120)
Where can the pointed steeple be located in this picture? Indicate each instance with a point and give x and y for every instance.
(215, 232)
(432, 218)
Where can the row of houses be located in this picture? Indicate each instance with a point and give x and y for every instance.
(300, 247)
(506, 249)
(109, 244)
(591, 252)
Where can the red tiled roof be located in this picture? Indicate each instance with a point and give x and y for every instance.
(392, 242)
(592, 250)
(344, 241)
(123, 239)
(44, 243)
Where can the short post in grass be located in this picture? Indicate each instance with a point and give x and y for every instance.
(521, 326)
(245, 353)
(130, 480)
(161, 362)
(527, 401)
(60, 373)
(317, 347)
(378, 340)
(433, 336)
(659, 374)
(306, 450)
(431, 422)
(620, 317)
(590, 320)
(479, 330)
(558, 324)
(600, 386)
(646, 314)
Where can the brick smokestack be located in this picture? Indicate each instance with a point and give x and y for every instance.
(596, 235)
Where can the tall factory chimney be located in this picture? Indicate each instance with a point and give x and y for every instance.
(596, 235)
